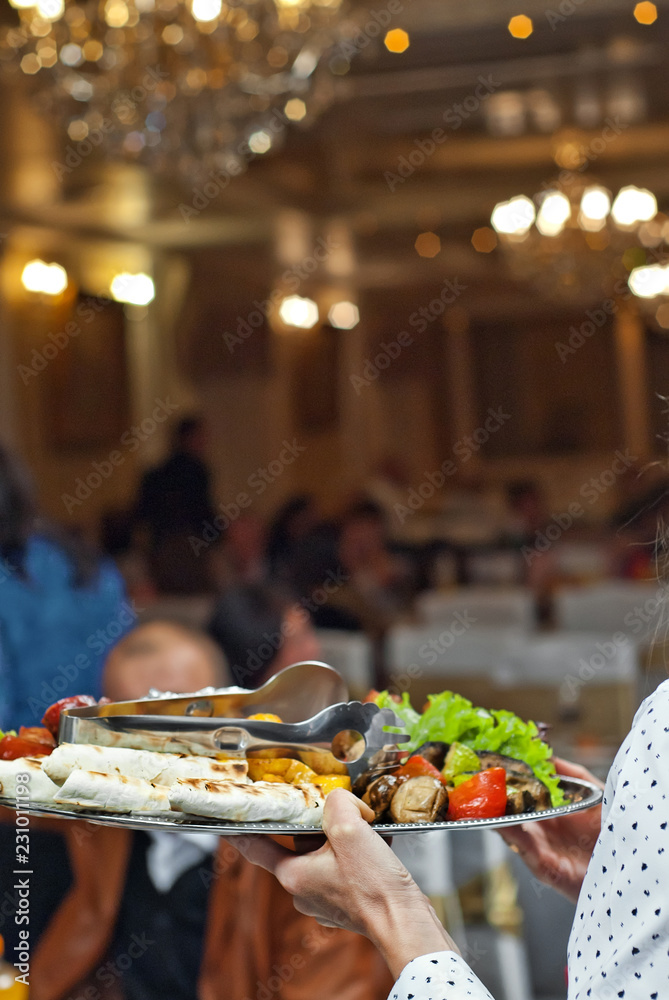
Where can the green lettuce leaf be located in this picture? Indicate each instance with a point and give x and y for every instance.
(450, 717)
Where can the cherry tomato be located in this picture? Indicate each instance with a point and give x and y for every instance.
(482, 797)
(417, 766)
(52, 715)
(38, 734)
(12, 747)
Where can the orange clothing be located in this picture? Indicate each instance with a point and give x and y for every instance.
(257, 946)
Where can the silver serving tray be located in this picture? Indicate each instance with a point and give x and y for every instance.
(197, 824)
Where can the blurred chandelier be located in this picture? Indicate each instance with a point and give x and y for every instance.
(196, 85)
(575, 239)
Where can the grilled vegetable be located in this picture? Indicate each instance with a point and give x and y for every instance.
(415, 766)
(52, 715)
(460, 759)
(419, 800)
(380, 793)
(481, 797)
(435, 752)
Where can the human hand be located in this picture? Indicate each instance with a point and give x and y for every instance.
(354, 881)
(558, 851)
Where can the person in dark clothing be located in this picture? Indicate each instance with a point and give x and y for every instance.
(174, 505)
(292, 522)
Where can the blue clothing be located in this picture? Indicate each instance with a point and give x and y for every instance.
(55, 636)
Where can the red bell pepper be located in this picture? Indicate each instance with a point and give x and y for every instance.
(417, 766)
(12, 747)
(483, 796)
(52, 715)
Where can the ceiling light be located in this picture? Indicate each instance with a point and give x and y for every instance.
(633, 205)
(298, 312)
(135, 289)
(344, 315)
(521, 26)
(554, 213)
(206, 10)
(513, 217)
(260, 142)
(650, 281)
(595, 207)
(295, 109)
(396, 40)
(50, 279)
(428, 245)
(646, 12)
(484, 239)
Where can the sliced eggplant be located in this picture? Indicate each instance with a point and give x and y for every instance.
(419, 800)
(434, 752)
(510, 764)
(525, 795)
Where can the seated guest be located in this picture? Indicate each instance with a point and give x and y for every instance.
(379, 584)
(293, 521)
(241, 557)
(261, 630)
(62, 607)
(178, 916)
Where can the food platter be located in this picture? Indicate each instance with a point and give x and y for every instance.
(589, 795)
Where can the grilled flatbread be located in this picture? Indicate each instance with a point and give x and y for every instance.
(161, 768)
(41, 788)
(113, 793)
(255, 802)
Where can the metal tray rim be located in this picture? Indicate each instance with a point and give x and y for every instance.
(198, 824)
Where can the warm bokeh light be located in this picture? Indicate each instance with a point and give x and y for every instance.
(49, 279)
(135, 289)
(295, 109)
(260, 142)
(662, 315)
(595, 207)
(554, 213)
(299, 312)
(645, 12)
(396, 40)
(344, 315)
(428, 245)
(484, 239)
(633, 205)
(649, 281)
(206, 10)
(521, 26)
(513, 217)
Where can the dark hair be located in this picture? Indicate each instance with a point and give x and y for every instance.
(187, 426)
(18, 509)
(19, 520)
(247, 626)
(279, 535)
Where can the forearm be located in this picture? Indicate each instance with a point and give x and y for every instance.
(403, 932)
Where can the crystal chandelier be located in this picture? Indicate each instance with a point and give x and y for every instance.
(185, 85)
(575, 239)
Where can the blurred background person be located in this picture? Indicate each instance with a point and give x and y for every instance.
(204, 922)
(62, 606)
(173, 505)
(261, 629)
(294, 520)
(241, 558)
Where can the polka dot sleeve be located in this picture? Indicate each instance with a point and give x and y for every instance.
(442, 975)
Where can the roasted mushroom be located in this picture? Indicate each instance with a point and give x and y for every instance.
(380, 793)
(419, 800)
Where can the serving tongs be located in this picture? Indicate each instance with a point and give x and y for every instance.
(345, 738)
